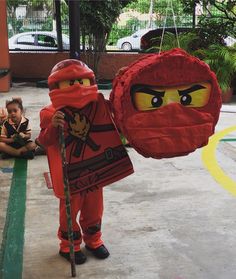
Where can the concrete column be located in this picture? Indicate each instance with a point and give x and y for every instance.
(4, 49)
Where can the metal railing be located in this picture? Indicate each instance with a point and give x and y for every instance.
(123, 36)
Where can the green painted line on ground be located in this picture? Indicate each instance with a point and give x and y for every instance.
(228, 140)
(11, 253)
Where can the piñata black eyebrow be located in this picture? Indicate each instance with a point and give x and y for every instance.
(191, 89)
(147, 90)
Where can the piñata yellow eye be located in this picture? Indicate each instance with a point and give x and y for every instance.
(199, 94)
(144, 101)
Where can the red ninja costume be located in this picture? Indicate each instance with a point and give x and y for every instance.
(94, 152)
(166, 104)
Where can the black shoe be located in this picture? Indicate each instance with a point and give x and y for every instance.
(101, 252)
(39, 151)
(27, 155)
(6, 156)
(80, 258)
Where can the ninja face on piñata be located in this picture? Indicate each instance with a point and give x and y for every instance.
(166, 104)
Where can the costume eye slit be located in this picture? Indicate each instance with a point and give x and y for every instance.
(56, 85)
(70, 82)
(74, 81)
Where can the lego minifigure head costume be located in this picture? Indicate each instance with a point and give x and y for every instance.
(72, 83)
(166, 104)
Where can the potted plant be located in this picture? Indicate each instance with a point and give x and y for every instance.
(187, 41)
(222, 60)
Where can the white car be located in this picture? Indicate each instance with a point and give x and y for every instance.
(229, 41)
(131, 42)
(37, 40)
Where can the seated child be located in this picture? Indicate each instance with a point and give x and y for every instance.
(16, 133)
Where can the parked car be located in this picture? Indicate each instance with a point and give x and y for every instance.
(230, 41)
(147, 40)
(131, 42)
(37, 40)
(153, 37)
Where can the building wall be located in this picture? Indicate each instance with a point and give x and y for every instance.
(38, 65)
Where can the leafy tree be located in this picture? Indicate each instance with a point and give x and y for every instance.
(64, 17)
(216, 23)
(159, 6)
(220, 15)
(11, 11)
(46, 5)
(12, 5)
(117, 33)
(41, 5)
(96, 19)
(226, 8)
(140, 5)
(159, 9)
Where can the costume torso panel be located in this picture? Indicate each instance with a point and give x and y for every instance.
(94, 152)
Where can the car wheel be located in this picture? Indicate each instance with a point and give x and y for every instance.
(126, 46)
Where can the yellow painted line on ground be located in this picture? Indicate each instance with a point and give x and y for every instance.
(210, 161)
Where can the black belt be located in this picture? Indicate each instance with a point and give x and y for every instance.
(110, 155)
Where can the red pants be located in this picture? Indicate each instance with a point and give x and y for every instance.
(90, 206)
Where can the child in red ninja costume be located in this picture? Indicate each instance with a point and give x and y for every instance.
(94, 153)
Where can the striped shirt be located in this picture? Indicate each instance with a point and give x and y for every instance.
(9, 128)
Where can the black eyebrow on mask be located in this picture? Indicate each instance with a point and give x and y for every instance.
(191, 89)
(148, 90)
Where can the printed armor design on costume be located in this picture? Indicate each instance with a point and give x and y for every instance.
(94, 152)
(79, 126)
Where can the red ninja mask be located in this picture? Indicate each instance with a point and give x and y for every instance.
(72, 83)
(166, 104)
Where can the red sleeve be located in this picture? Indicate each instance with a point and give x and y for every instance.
(48, 134)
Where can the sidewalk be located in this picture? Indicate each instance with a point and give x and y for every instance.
(169, 220)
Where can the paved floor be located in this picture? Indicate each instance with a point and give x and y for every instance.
(169, 220)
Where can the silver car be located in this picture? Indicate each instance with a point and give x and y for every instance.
(230, 41)
(37, 40)
(131, 42)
